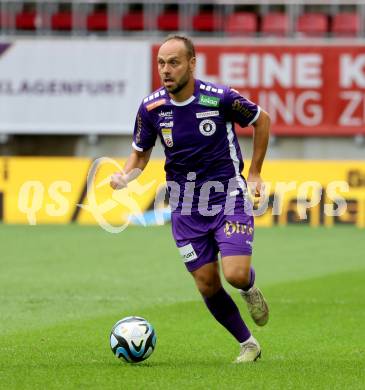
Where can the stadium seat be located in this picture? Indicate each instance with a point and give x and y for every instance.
(346, 24)
(61, 21)
(168, 21)
(27, 20)
(241, 23)
(275, 24)
(5, 20)
(205, 21)
(312, 24)
(133, 21)
(97, 21)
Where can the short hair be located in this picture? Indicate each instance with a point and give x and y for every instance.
(190, 49)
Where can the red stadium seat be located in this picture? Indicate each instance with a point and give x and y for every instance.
(275, 24)
(61, 21)
(312, 24)
(241, 23)
(346, 24)
(5, 20)
(168, 21)
(205, 21)
(97, 21)
(27, 20)
(133, 21)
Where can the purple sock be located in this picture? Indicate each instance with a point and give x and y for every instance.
(226, 312)
(252, 280)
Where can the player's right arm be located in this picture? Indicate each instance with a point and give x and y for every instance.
(136, 163)
(144, 138)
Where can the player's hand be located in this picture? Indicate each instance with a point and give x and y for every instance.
(255, 185)
(118, 181)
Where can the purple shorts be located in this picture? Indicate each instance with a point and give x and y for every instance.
(200, 238)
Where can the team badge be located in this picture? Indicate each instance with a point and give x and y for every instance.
(207, 127)
(167, 137)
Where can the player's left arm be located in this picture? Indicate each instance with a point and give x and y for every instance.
(260, 141)
(243, 111)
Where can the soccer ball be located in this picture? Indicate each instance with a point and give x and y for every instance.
(133, 339)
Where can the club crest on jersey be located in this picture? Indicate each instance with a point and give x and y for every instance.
(167, 137)
(207, 127)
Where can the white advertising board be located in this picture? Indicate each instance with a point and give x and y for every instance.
(72, 86)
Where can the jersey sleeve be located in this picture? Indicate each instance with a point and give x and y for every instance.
(144, 134)
(239, 109)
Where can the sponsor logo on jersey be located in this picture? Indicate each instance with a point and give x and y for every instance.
(239, 107)
(167, 137)
(207, 127)
(139, 129)
(209, 101)
(231, 228)
(188, 253)
(155, 104)
(167, 124)
(207, 114)
(164, 114)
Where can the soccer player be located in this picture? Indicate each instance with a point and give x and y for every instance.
(211, 211)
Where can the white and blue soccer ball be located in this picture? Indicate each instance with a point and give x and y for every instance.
(133, 339)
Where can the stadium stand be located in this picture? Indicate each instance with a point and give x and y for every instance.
(97, 20)
(61, 20)
(275, 24)
(205, 21)
(312, 24)
(5, 20)
(27, 18)
(241, 23)
(169, 19)
(346, 24)
(260, 19)
(133, 19)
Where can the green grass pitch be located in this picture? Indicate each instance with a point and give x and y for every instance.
(63, 288)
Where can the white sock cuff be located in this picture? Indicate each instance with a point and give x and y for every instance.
(245, 292)
(251, 339)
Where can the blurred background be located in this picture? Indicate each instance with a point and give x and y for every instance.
(72, 75)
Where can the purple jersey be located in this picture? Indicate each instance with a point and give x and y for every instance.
(203, 156)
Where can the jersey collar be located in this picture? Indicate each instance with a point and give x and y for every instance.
(191, 98)
(184, 103)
